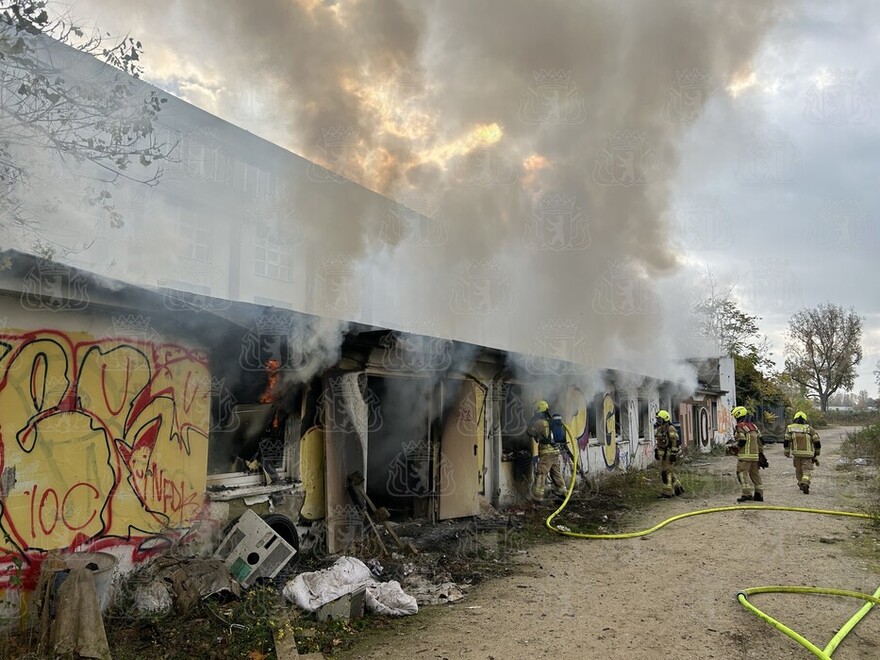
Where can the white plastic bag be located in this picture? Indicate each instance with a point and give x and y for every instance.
(309, 591)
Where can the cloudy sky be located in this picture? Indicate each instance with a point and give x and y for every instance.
(690, 136)
(789, 177)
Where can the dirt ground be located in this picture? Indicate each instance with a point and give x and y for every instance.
(672, 594)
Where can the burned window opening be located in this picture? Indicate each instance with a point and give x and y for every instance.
(644, 422)
(513, 415)
(594, 414)
(255, 414)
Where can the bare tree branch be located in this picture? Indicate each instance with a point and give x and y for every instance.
(48, 115)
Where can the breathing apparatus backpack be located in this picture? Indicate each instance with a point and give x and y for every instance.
(557, 430)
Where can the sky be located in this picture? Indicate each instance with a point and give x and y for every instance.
(750, 127)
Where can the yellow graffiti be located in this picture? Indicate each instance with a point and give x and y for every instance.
(609, 446)
(99, 438)
(576, 406)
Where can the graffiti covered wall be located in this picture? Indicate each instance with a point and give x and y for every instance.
(103, 442)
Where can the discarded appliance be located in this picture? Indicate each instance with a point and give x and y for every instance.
(347, 606)
(253, 550)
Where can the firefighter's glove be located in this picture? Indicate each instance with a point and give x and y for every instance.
(732, 450)
(673, 456)
(815, 461)
(762, 460)
(656, 454)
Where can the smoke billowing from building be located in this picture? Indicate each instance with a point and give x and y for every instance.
(537, 142)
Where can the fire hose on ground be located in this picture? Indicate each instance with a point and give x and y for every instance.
(743, 596)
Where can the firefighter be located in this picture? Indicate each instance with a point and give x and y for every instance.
(666, 451)
(747, 448)
(548, 453)
(802, 442)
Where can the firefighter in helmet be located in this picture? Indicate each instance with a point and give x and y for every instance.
(548, 453)
(666, 451)
(747, 448)
(802, 442)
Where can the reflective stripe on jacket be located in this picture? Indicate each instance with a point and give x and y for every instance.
(800, 438)
(748, 433)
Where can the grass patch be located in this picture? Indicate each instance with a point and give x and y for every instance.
(214, 629)
(862, 444)
(701, 484)
(853, 418)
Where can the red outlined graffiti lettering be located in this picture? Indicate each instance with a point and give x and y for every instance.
(112, 435)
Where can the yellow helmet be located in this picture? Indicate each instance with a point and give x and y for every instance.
(541, 406)
(662, 414)
(739, 412)
(800, 414)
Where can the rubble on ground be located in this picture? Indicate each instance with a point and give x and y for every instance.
(181, 582)
(311, 591)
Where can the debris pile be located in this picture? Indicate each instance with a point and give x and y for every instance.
(348, 575)
(172, 581)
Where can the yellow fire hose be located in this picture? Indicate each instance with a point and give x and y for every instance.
(743, 595)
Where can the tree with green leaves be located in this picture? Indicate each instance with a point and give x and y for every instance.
(103, 127)
(823, 350)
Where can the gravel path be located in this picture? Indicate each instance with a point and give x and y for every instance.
(672, 594)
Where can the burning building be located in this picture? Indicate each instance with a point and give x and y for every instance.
(260, 328)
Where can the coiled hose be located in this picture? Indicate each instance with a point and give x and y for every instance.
(743, 596)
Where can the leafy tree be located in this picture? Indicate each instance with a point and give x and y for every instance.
(46, 113)
(823, 350)
(754, 387)
(796, 399)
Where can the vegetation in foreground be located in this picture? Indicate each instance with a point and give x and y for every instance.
(247, 628)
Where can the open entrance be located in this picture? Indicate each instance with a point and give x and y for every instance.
(401, 445)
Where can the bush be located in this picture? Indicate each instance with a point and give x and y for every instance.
(862, 444)
(816, 417)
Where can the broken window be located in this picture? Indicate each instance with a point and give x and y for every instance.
(256, 407)
(644, 421)
(253, 441)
